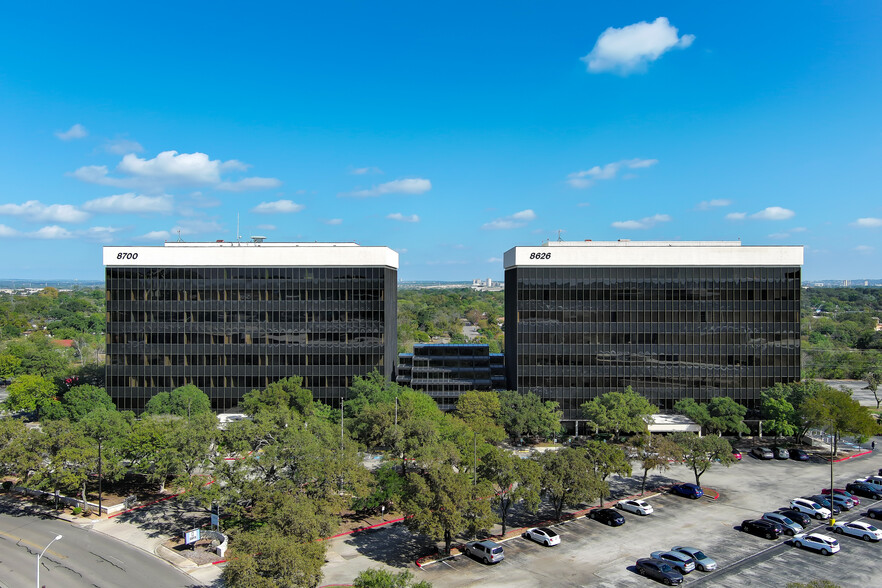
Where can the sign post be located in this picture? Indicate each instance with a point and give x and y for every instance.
(191, 537)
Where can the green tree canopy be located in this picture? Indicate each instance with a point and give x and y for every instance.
(568, 478)
(514, 480)
(527, 414)
(726, 416)
(184, 401)
(619, 412)
(379, 578)
(82, 400)
(656, 452)
(701, 453)
(480, 410)
(29, 392)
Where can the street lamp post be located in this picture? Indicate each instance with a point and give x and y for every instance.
(57, 537)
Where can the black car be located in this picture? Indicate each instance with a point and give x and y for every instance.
(607, 516)
(799, 455)
(659, 570)
(800, 518)
(875, 513)
(762, 528)
(865, 490)
(825, 502)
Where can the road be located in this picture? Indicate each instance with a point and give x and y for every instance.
(83, 558)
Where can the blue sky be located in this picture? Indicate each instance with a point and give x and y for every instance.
(449, 131)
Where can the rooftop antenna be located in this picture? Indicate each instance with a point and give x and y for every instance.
(559, 231)
(238, 236)
(180, 239)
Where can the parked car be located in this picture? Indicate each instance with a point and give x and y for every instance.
(781, 452)
(543, 535)
(799, 455)
(762, 528)
(607, 516)
(762, 453)
(875, 513)
(487, 551)
(790, 526)
(702, 561)
(811, 508)
(679, 561)
(874, 481)
(797, 517)
(659, 570)
(688, 490)
(865, 490)
(640, 507)
(844, 493)
(825, 501)
(823, 543)
(859, 529)
(737, 454)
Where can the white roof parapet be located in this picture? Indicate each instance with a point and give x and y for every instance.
(652, 254)
(224, 254)
(672, 423)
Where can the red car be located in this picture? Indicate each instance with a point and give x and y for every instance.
(736, 454)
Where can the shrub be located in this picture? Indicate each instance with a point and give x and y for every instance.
(77, 510)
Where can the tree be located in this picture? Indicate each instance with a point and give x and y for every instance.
(442, 503)
(694, 411)
(28, 392)
(70, 458)
(700, 453)
(83, 400)
(656, 452)
(839, 414)
(567, 479)
(779, 416)
(39, 356)
(726, 415)
(527, 414)
(480, 411)
(9, 365)
(267, 558)
(108, 429)
(605, 459)
(515, 480)
(619, 412)
(873, 384)
(21, 449)
(184, 401)
(379, 578)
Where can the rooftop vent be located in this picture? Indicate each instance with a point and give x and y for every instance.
(258, 238)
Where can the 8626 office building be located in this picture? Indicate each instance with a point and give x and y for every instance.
(232, 317)
(671, 319)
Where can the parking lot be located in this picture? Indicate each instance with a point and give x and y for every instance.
(592, 554)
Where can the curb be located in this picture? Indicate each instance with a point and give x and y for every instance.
(852, 456)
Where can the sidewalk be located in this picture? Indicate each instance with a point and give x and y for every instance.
(144, 529)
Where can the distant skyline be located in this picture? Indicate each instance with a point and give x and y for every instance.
(450, 133)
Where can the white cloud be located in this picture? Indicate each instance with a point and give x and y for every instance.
(245, 184)
(131, 203)
(397, 216)
(52, 232)
(194, 226)
(779, 235)
(864, 249)
(360, 171)
(716, 203)
(37, 211)
(277, 207)
(586, 178)
(514, 221)
(773, 213)
(798, 230)
(171, 168)
(77, 131)
(333, 221)
(101, 234)
(583, 204)
(736, 216)
(643, 223)
(155, 236)
(122, 146)
(494, 260)
(7, 231)
(629, 49)
(867, 223)
(267, 227)
(405, 186)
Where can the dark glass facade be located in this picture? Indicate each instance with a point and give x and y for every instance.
(229, 330)
(574, 333)
(444, 371)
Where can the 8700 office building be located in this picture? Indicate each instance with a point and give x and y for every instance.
(671, 319)
(233, 317)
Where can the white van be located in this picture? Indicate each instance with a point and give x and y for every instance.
(810, 508)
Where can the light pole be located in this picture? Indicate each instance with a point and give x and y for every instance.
(57, 537)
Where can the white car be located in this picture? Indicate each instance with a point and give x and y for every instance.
(543, 535)
(823, 543)
(859, 529)
(640, 507)
(810, 508)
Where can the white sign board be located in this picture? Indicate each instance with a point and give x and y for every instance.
(191, 536)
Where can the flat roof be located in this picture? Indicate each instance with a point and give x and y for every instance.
(233, 254)
(626, 253)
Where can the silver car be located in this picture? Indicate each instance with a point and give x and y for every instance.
(790, 526)
(679, 561)
(702, 561)
(487, 551)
